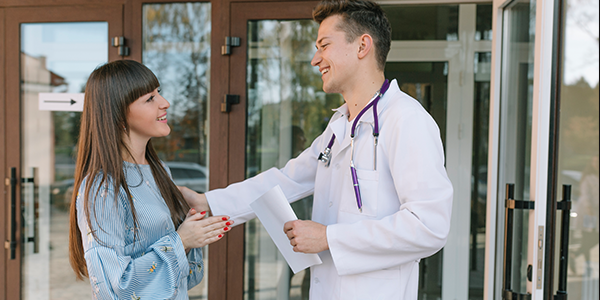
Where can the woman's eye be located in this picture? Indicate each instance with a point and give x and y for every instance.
(150, 99)
(158, 90)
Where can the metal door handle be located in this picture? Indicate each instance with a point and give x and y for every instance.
(32, 182)
(510, 205)
(565, 206)
(13, 213)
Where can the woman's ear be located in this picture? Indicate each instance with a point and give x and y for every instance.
(365, 45)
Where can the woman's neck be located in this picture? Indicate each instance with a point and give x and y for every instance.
(137, 150)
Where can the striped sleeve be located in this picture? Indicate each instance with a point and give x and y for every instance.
(156, 273)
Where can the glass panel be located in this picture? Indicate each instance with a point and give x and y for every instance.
(578, 148)
(423, 22)
(481, 112)
(287, 110)
(428, 83)
(55, 58)
(176, 47)
(483, 27)
(515, 126)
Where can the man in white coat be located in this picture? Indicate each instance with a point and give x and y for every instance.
(372, 238)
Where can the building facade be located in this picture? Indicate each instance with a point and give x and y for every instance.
(512, 84)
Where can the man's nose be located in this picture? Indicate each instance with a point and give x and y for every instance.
(316, 59)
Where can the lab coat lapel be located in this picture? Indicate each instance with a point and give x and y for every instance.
(338, 126)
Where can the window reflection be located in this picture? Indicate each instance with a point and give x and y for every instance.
(287, 110)
(483, 27)
(578, 148)
(423, 22)
(481, 109)
(176, 47)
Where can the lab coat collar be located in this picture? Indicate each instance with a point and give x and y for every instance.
(340, 118)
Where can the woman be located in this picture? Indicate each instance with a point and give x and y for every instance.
(131, 231)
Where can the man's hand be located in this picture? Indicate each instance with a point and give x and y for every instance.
(306, 236)
(195, 200)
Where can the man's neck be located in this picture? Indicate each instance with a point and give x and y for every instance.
(360, 94)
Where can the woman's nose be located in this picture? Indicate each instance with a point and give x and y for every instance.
(164, 103)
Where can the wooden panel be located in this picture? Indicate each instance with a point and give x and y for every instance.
(3, 172)
(38, 3)
(219, 148)
(113, 14)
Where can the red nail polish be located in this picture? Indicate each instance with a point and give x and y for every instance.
(226, 228)
(202, 213)
(220, 235)
(224, 218)
(228, 223)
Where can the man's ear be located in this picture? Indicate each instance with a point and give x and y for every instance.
(365, 45)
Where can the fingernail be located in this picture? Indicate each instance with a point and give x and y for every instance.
(220, 235)
(203, 213)
(224, 218)
(228, 223)
(192, 210)
(226, 228)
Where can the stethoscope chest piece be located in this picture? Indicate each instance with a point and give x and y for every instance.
(325, 156)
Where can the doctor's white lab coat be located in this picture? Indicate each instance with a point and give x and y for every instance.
(407, 200)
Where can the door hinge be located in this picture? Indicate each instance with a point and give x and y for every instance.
(228, 100)
(119, 43)
(230, 41)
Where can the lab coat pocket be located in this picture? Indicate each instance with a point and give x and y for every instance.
(368, 183)
(381, 284)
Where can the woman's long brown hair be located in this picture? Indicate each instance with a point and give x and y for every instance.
(109, 91)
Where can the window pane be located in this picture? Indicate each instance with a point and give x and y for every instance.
(176, 47)
(423, 22)
(483, 30)
(481, 110)
(287, 110)
(578, 145)
(55, 58)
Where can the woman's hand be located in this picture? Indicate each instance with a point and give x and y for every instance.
(195, 200)
(197, 230)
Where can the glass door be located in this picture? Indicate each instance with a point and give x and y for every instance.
(578, 147)
(176, 47)
(283, 109)
(53, 50)
(516, 110)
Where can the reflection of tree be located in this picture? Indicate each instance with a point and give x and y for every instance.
(279, 71)
(579, 124)
(584, 14)
(177, 49)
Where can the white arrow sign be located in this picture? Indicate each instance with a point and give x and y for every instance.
(61, 101)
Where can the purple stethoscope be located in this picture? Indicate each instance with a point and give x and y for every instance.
(325, 156)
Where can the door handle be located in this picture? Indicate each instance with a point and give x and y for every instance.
(33, 199)
(565, 206)
(510, 205)
(13, 213)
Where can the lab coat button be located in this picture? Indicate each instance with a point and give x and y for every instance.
(317, 280)
(337, 166)
(330, 203)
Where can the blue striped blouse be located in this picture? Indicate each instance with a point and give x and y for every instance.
(155, 266)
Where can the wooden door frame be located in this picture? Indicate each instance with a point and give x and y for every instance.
(4, 207)
(113, 14)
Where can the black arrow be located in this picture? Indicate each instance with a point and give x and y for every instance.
(61, 101)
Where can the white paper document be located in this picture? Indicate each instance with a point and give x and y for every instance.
(274, 211)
